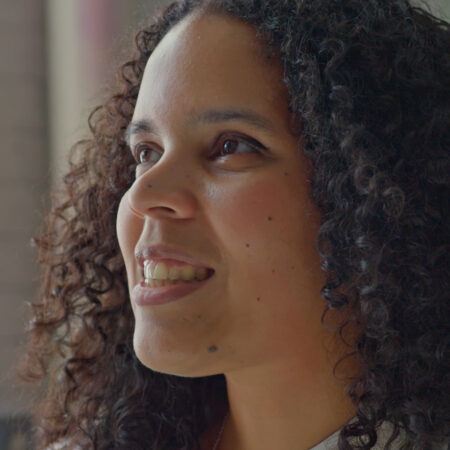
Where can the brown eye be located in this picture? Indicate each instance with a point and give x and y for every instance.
(141, 153)
(229, 146)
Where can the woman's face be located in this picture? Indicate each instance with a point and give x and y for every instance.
(247, 215)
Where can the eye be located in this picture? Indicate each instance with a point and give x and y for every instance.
(230, 145)
(140, 150)
(227, 146)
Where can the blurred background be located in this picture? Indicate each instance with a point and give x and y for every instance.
(56, 59)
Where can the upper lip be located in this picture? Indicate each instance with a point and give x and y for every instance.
(162, 251)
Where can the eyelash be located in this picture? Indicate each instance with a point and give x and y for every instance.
(251, 143)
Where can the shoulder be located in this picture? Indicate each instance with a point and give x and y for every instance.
(384, 432)
(58, 445)
(64, 444)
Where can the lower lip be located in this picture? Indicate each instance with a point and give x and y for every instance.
(145, 295)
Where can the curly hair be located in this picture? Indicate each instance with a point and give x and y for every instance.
(369, 87)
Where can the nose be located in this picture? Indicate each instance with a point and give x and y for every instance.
(163, 190)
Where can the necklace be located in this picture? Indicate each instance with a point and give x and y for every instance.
(219, 436)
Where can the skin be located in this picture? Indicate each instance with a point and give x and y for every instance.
(247, 215)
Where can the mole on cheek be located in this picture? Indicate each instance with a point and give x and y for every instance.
(269, 218)
(212, 349)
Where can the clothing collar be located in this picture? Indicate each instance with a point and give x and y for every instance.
(383, 433)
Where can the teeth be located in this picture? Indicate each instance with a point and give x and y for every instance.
(187, 273)
(157, 283)
(161, 271)
(174, 273)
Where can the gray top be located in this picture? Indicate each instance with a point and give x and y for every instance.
(329, 443)
(383, 433)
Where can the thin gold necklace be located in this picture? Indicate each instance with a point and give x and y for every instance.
(219, 436)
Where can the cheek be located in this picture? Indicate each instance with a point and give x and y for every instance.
(128, 228)
(268, 230)
(256, 225)
(259, 212)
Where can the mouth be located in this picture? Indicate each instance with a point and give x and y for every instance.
(164, 291)
(156, 283)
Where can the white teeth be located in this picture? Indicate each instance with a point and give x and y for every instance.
(187, 272)
(161, 271)
(174, 273)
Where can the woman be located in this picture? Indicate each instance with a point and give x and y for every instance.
(288, 160)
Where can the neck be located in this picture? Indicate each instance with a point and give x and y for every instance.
(295, 402)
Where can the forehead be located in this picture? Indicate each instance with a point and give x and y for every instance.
(206, 61)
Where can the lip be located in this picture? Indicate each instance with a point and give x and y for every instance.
(144, 295)
(162, 252)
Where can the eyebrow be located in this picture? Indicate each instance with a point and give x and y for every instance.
(207, 117)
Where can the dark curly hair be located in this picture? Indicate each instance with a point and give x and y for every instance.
(369, 87)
